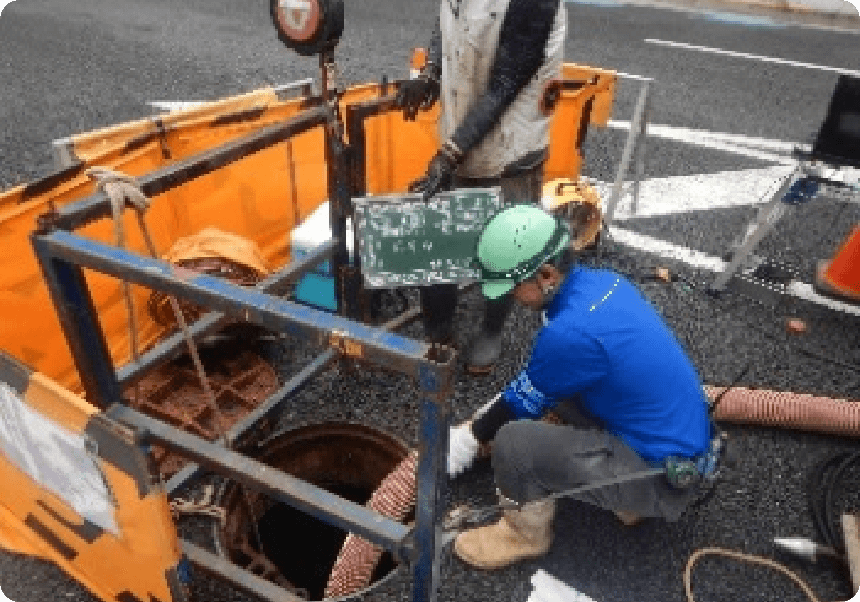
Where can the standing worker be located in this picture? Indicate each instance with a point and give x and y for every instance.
(603, 350)
(489, 61)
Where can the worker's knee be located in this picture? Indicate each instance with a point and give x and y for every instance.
(513, 460)
(511, 442)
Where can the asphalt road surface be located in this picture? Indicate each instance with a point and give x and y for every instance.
(724, 117)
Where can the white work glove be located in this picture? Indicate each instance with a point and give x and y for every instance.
(462, 449)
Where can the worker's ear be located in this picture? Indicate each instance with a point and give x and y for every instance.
(547, 273)
(546, 277)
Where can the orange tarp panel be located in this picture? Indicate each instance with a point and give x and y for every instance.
(35, 521)
(261, 197)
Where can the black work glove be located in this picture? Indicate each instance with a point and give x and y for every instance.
(440, 171)
(418, 93)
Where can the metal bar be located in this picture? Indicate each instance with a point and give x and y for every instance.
(340, 205)
(626, 156)
(767, 217)
(97, 206)
(191, 471)
(273, 483)
(304, 87)
(244, 580)
(272, 405)
(431, 481)
(355, 116)
(356, 340)
(52, 180)
(297, 382)
(76, 311)
(211, 322)
(639, 156)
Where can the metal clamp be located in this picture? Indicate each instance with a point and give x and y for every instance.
(341, 342)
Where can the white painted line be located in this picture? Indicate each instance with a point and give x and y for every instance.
(744, 55)
(667, 250)
(763, 149)
(700, 260)
(700, 192)
(634, 76)
(175, 105)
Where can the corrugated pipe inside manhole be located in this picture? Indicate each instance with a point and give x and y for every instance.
(297, 551)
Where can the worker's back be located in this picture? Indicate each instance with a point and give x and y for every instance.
(604, 341)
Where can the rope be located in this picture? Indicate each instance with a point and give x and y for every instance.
(204, 507)
(121, 189)
(745, 558)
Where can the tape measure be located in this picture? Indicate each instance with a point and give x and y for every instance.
(308, 26)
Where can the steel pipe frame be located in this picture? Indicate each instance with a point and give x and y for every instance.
(62, 255)
(211, 322)
(272, 405)
(280, 486)
(97, 206)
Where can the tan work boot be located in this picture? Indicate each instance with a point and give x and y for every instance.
(519, 534)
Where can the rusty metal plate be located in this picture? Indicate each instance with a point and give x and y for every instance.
(240, 381)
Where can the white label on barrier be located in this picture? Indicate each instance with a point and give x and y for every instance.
(55, 458)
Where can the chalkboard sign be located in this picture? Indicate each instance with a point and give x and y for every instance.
(403, 241)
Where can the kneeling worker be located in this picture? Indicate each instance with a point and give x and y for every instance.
(604, 349)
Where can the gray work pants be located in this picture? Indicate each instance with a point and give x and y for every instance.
(533, 459)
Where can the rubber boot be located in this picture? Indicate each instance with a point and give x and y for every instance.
(519, 535)
(487, 347)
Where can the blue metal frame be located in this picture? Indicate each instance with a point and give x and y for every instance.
(63, 256)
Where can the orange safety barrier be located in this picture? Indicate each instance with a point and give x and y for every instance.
(133, 553)
(261, 197)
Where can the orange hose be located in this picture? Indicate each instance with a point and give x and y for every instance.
(358, 557)
(789, 410)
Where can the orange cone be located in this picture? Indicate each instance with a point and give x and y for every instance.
(841, 275)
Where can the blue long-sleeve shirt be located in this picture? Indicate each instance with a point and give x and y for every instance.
(604, 344)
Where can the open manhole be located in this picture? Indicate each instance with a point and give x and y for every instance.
(291, 548)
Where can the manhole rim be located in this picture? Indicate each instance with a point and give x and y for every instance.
(222, 490)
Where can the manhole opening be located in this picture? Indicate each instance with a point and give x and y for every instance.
(298, 550)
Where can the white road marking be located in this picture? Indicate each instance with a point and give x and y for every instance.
(744, 55)
(679, 194)
(700, 260)
(699, 192)
(634, 76)
(764, 149)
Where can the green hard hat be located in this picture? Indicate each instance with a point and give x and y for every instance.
(514, 244)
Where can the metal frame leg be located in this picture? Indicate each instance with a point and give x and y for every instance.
(765, 221)
(84, 334)
(639, 156)
(636, 129)
(432, 475)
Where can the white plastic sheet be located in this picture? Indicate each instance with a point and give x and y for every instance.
(549, 589)
(55, 458)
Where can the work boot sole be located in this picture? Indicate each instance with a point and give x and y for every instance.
(487, 565)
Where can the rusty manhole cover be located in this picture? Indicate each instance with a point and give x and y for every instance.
(240, 381)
